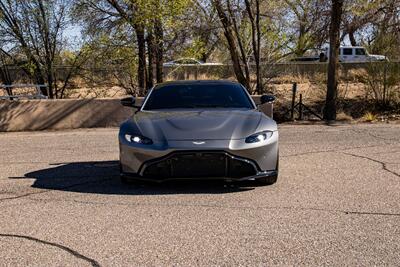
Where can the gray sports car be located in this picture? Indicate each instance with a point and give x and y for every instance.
(199, 129)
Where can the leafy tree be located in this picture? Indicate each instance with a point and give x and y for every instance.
(205, 31)
(146, 19)
(235, 44)
(34, 29)
(358, 15)
(308, 22)
(252, 33)
(385, 33)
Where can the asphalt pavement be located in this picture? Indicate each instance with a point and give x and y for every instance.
(336, 202)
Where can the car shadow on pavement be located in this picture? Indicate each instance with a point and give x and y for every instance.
(102, 177)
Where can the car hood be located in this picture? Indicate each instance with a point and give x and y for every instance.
(200, 124)
(379, 57)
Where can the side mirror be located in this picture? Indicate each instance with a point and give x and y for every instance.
(129, 102)
(267, 99)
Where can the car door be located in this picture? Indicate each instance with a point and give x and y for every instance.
(360, 55)
(346, 54)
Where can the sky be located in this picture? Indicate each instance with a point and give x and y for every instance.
(73, 34)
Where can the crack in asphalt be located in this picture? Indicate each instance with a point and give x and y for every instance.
(372, 213)
(22, 162)
(383, 164)
(99, 203)
(338, 150)
(254, 208)
(24, 195)
(53, 189)
(328, 151)
(308, 153)
(74, 253)
(386, 152)
(374, 136)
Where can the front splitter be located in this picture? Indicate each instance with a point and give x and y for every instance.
(134, 176)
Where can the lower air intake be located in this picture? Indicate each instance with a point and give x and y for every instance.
(199, 165)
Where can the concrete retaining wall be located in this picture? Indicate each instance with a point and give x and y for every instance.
(34, 115)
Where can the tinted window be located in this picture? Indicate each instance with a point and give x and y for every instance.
(198, 96)
(347, 51)
(360, 52)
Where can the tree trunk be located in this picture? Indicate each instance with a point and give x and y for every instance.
(352, 38)
(254, 21)
(141, 42)
(243, 54)
(5, 77)
(334, 39)
(301, 45)
(50, 85)
(38, 76)
(229, 35)
(150, 57)
(159, 47)
(50, 77)
(259, 87)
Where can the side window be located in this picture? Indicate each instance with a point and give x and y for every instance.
(360, 52)
(347, 51)
(340, 51)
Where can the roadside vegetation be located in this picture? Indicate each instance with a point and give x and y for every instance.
(110, 48)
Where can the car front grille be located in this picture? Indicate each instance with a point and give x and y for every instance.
(199, 164)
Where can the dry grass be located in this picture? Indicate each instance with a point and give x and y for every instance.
(369, 117)
(354, 101)
(341, 116)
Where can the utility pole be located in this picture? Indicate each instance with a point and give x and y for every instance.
(334, 43)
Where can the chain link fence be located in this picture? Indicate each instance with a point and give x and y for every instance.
(114, 81)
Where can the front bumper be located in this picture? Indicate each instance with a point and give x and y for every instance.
(200, 165)
(215, 159)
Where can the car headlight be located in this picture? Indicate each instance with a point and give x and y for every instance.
(138, 139)
(259, 137)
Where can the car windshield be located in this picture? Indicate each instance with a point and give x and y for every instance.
(184, 96)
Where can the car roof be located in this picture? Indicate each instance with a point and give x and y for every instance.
(352, 47)
(186, 58)
(195, 82)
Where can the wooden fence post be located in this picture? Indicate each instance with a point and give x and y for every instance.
(294, 90)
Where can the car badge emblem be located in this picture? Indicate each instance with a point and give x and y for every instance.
(199, 143)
